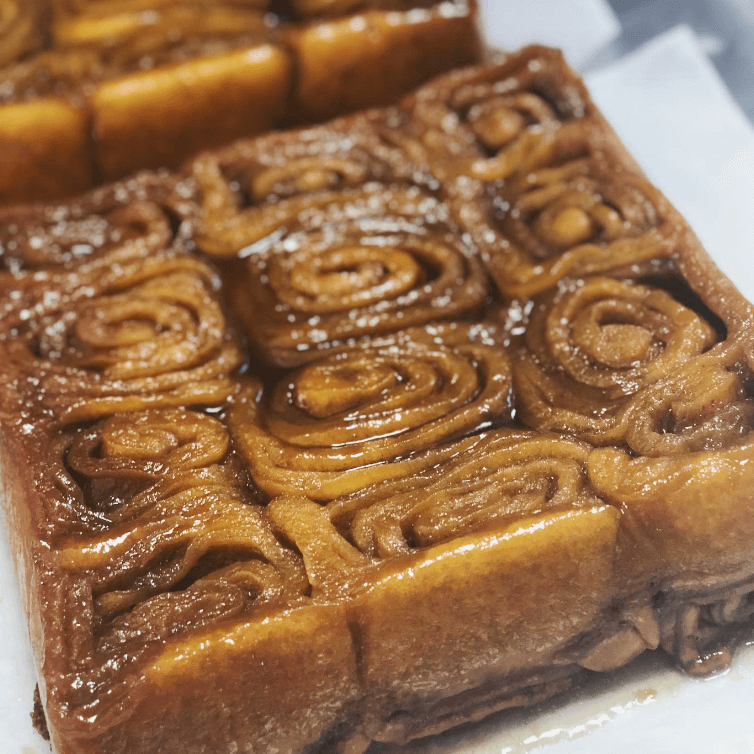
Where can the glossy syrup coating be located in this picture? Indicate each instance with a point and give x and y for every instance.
(359, 432)
(95, 90)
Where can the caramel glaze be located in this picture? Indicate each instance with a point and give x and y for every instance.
(359, 432)
(93, 90)
(63, 47)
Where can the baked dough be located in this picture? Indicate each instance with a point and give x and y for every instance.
(359, 432)
(93, 90)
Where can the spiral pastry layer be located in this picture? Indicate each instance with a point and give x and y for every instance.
(543, 193)
(132, 218)
(572, 219)
(168, 541)
(148, 554)
(490, 481)
(601, 358)
(252, 192)
(318, 292)
(119, 335)
(707, 405)
(373, 413)
(121, 457)
(198, 554)
(513, 112)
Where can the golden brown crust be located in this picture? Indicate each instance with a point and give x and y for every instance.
(262, 517)
(46, 148)
(22, 24)
(160, 117)
(145, 84)
(353, 63)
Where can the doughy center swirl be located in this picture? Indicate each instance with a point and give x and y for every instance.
(164, 324)
(322, 290)
(371, 395)
(148, 444)
(343, 278)
(481, 481)
(607, 334)
(374, 412)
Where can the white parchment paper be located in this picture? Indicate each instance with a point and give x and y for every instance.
(579, 27)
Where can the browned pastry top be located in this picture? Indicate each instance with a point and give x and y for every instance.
(53, 47)
(284, 376)
(95, 90)
(88, 42)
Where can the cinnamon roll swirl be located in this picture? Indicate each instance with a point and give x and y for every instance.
(117, 459)
(606, 360)
(572, 218)
(119, 335)
(221, 596)
(166, 542)
(544, 192)
(372, 413)
(170, 531)
(514, 110)
(343, 237)
(318, 292)
(135, 217)
(707, 405)
(202, 518)
(197, 556)
(486, 123)
(479, 483)
(494, 479)
(253, 191)
(686, 511)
